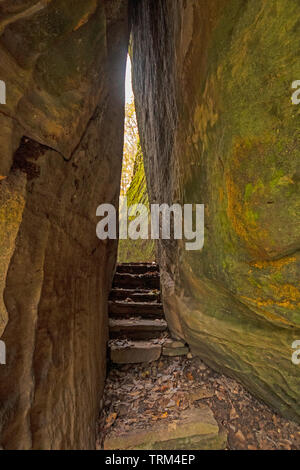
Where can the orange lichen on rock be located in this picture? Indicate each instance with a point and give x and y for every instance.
(274, 264)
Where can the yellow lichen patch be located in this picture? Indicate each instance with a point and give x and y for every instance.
(205, 113)
(221, 194)
(285, 180)
(270, 303)
(278, 264)
(286, 291)
(236, 210)
(286, 297)
(239, 209)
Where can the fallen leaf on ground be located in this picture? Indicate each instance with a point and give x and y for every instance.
(240, 436)
(111, 419)
(233, 414)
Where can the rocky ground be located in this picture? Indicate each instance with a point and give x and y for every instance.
(137, 396)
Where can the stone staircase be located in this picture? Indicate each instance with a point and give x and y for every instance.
(136, 318)
(139, 335)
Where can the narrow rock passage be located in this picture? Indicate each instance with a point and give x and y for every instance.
(157, 396)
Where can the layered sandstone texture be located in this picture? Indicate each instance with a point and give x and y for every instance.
(213, 90)
(61, 134)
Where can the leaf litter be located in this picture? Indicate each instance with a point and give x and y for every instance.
(137, 395)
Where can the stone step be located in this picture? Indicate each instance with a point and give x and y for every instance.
(137, 268)
(137, 295)
(195, 429)
(134, 352)
(131, 309)
(132, 281)
(175, 352)
(134, 328)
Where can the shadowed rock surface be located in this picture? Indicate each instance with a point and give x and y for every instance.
(212, 82)
(60, 157)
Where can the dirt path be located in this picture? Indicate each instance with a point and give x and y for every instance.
(136, 396)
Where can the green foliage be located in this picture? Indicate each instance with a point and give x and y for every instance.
(131, 138)
(137, 250)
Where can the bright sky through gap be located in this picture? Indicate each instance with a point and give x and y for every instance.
(128, 83)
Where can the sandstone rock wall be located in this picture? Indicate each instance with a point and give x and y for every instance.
(61, 135)
(213, 89)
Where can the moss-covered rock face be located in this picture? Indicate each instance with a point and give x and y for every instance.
(61, 137)
(135, 251)
(218, 127)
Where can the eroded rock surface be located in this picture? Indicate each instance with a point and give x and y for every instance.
(213, 89)
(61, 136)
